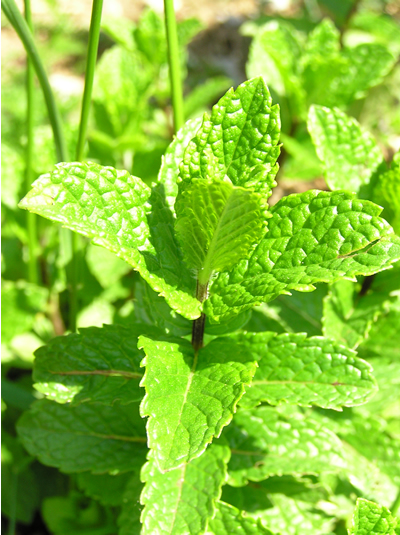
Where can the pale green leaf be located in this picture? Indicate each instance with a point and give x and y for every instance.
(12, 175)
(172, 159)
(21, 302)
(372, 519)
(312, 237)
(294, 517)
(323, 41)
(230, 520)
(306, 371)
(105, 266)
(77, 439)
(190, 397)
(264, 442)
(182, 500)
(387, 193)
(238, 141)
(349, 154)
(382, 27)
(99, 365)
(119, 212)
(217, 225)
(348, 316)
(201, 96)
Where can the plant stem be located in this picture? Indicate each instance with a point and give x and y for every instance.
(19, 24)
(30, 217)
(93, 44)
(396, 504)
(199, 323)
(174, 64)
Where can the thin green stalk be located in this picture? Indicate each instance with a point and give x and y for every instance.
(30, 217)
(174, 64)
(19, 24)
(93, 44)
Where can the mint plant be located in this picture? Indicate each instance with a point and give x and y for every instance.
(227, 410)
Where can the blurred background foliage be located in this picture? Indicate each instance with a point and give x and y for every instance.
(343, 54)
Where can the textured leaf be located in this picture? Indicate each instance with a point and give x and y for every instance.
(106, 488)
(189, 397)
(239, 140)
(372, 519)
(119, 212)
(348, 316)
(97, 365)
(387, 193)
(323, 41)
(312, 237)
(306, 371)
(349, 154)
(264, 442)
(294, 517)
(182, 500)
(76, 439)
(230, 520)
(217, 225)
(172, 159)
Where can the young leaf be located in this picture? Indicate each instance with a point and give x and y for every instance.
(322, 42)
(348, 316)
(97, 365)
(349, 154)
(190, 397)
(182, 500)
(217, 225)
(265, 443)
(239, 140)
(372, 519)
(76, 439)
(316, 236)
(230, 520)
(119, 212)
(306, 371)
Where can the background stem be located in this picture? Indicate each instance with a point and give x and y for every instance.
(29, 177)
(19, 24)
(174, 64)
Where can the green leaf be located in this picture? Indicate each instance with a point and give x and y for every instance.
(119, 212)
(312, 237)
(322, 42)
(105, 266)
(306, 371)
(76, 439)
(106, 488)
(12, 176)
(182, 500)
(295, 517)
(372, 519)
(264, 442)
(20, 304)
(190, 397)
(99, 365)
(129, 518)
(348, 316)
(349, 154)
(200, 97)
(229, 520)
(239, 140)
(387, 193)
(172, 159)
(218, 225)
